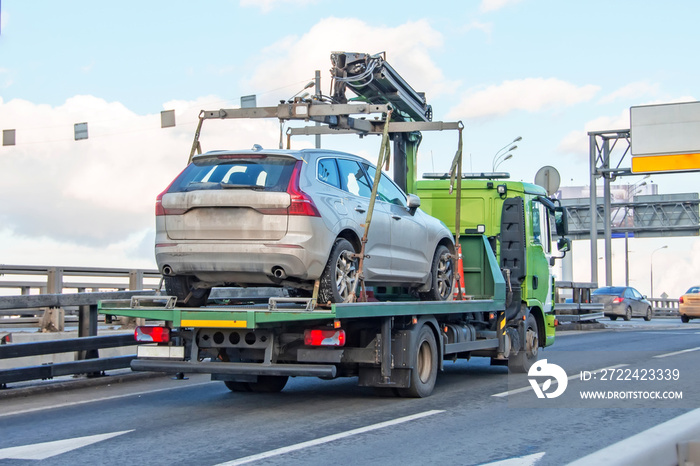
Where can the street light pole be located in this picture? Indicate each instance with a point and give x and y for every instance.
(651, 268)
(504, 156)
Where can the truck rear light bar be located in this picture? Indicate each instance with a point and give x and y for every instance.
(317, 337)
(149, 334)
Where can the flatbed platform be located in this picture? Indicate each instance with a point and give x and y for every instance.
(253, 316)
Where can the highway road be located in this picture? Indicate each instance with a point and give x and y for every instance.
(478, 414)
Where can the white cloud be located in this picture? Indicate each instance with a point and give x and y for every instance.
(95, 194)
(532, 95)
(634, 90)
(576, 142)
(268, 5)
(294, 59)
(493, 5)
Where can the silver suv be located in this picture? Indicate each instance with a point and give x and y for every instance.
(286, 218)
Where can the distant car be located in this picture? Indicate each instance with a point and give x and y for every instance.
(287, 218)
(622, 301)
(689, 304)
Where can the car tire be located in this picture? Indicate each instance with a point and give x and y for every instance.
(685, 319)
(613, 317)
(181, 287)
(628, 314)
(339, 274)
(441, 276)
(647, 316)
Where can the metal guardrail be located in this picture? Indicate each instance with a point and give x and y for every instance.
(87, 343)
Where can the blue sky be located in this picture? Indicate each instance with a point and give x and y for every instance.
(546, 70)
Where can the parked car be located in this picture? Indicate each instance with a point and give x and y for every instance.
(689, 304)
(622, 301)
(286, 218)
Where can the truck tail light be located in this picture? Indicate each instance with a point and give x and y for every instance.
(301, 204)
(617, 300)
(152, 334)
(324, 337)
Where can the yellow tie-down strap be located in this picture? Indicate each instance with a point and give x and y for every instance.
(213, 323)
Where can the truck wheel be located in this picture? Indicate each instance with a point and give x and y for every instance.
(268, 384)
(425, 366)
(628, 314)
(442, 276)
(237, 386)
(521, 362)
(647, 317)
(339, 274)
(181, 287)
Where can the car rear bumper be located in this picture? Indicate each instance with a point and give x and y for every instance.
(690, 310)
(241, 262)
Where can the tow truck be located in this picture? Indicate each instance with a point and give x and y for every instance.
(503, 303)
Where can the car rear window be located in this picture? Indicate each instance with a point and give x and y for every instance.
(260, 172)
(609, 290)
(693, 289)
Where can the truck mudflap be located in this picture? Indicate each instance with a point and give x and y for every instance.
(234, 368)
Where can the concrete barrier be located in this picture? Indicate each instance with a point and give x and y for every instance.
(672, 443)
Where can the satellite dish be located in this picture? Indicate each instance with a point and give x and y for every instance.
(548, 177)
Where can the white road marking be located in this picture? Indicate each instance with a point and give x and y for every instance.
(329, 438)
(571, 377)
(106, 398)
(41, 451)
(677, 352)
(528, 460)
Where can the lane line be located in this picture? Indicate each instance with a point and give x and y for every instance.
(677, 352)
(44, 450)
(329, 438)
(528, 460)
(571, 377)
(106, 398)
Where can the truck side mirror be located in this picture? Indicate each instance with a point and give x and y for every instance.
(561, 221)
(564, 245)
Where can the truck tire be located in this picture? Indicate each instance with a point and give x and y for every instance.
(425, 366)
(442, 276)
(181, 287)
(523, 361)
(237, 386)
(268, 384)
(339, 274)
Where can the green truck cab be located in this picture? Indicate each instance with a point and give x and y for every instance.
(515, 218)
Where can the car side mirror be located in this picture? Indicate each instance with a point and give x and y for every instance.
(413, 202)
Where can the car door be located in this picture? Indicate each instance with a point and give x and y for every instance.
(358, 187)
(411, 253)
(640, 307)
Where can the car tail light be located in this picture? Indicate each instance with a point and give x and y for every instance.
(152, 334)
(680, 300)
(617, 300)
(301, 204)
(318, 337)
(159, 201)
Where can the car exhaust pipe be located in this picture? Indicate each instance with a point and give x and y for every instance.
(279, 272)
(167, 270)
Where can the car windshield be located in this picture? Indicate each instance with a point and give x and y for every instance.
(609, 290)
(693, 289)
(265, 173)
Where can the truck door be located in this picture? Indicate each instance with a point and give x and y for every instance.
(539, 255)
